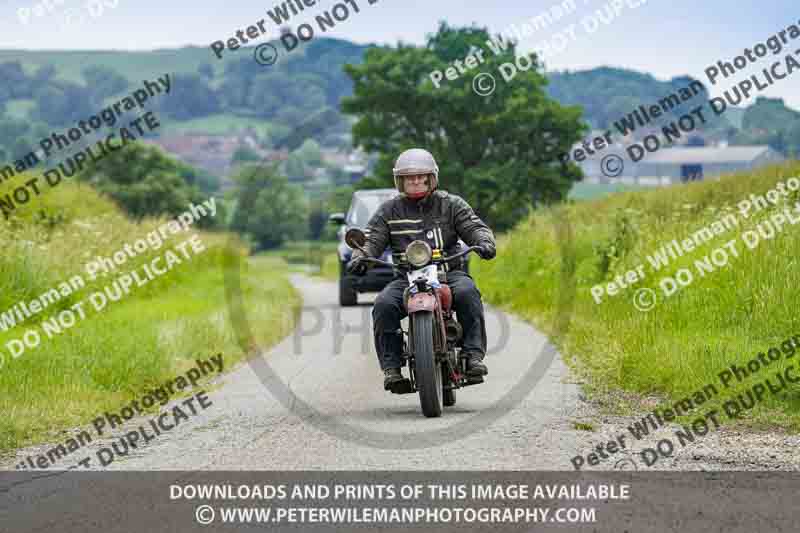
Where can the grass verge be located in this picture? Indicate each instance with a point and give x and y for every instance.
(330, 267)
(301, 255)
(149, 336)
(724, 317)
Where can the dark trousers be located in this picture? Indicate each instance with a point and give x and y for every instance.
(388, 311)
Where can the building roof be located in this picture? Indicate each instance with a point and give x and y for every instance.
(706, 154)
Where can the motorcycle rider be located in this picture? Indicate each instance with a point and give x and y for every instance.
(423, 212)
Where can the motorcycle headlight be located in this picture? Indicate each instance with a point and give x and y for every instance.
(418, 253)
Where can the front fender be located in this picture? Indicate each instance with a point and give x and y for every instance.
(422, 301)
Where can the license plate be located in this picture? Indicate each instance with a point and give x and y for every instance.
(429, 273)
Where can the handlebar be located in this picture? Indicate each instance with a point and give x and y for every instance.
(460, 254)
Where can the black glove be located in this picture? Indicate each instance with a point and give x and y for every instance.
(486, 250)
(357, 266)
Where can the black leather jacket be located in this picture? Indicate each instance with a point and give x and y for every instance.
(440, 219)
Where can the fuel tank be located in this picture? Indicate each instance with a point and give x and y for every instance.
(445, 297)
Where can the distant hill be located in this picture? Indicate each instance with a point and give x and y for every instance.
(769, 121)
(606, 93)
(49, 89)
(53, 89)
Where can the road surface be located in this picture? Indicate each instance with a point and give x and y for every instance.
(330, 364)
(335, 415)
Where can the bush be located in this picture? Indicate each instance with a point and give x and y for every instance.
(268, 208)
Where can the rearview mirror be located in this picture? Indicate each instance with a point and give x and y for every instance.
(355, 239)
(336, 218)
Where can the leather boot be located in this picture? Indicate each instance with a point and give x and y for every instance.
(390, 377)
(475, 366)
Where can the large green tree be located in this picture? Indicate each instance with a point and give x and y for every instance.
(499, 151)
(268, 208)
(146, 182)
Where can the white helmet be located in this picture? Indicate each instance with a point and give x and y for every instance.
(415, 161)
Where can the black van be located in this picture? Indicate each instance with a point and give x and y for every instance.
(363, 205)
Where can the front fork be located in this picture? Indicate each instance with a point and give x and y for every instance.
(454, 366)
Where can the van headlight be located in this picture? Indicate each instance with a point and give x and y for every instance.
(418, 253)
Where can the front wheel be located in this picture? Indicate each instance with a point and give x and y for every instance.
(428, 373)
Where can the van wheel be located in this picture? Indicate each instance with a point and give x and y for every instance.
(347, 294)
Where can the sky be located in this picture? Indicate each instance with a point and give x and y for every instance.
(661, 37)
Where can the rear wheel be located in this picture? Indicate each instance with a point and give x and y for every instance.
(428, 373)
(347, 294)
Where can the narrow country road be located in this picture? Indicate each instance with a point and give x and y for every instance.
(340, 419)
(320, 405)
(330, 365)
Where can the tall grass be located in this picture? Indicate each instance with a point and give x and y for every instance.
(306, 252)
(151, 335)
(726, 317)
(329, 269)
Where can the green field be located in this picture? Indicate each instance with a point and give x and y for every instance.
(590, 191)
(152, 335)
(222, 124)
(136, 66)
(680, 346)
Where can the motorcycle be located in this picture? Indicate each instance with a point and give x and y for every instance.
(432, 344)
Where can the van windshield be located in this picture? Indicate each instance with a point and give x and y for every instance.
(364, 206)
